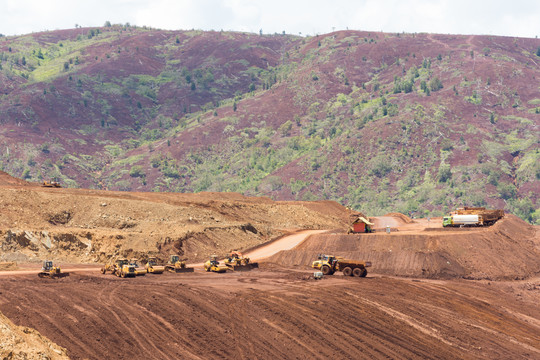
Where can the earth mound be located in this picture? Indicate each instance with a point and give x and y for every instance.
(8, 180)
(510, 249)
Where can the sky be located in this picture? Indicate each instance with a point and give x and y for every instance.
(299, 17)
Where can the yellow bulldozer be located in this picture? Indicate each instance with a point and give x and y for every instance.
(178, 266)
(238, 262)
(152, 266)
(52, 184)
(48, 270)
(214, 266)
(121, 267)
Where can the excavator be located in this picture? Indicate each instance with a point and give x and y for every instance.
(51, 271)
(238, 262)
(152, 267)
(214, 266)
(178, 266)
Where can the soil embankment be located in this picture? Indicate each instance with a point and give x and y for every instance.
(507, 250)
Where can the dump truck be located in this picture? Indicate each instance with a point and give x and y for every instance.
(139, 271)
(121, 267)
(238, 262)
(329, 264)
(152, 266)
(472, 216)
(52, 184)
(178, 266)
(214, 266)
(51, 271)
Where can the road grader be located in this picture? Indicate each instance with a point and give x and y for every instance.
(121, 268)
(238, 262)
(48, 270)
(177, 266)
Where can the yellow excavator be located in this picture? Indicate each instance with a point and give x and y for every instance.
(214, 266)
(178, 266)
(50, 271)
(238, 262)
(152, 266)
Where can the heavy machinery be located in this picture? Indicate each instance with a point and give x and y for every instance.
(152, 266)
(214, 266)
(238, 262)
(139, 271)
(178, 266)
(53, 184)
(472, 216)
(329, 264)
(121, 267)
(51, 271)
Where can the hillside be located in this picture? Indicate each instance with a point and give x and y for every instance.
(411, 123)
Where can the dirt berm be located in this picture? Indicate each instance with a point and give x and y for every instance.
(507, 250)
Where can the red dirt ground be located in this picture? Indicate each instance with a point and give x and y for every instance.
(277, 313)
(279, 310)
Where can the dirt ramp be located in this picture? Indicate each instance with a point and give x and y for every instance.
(8, 180)
(505, 251)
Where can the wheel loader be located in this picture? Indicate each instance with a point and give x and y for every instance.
(214, 266)
(329, 264)
(152, 267)
(178, 266)
(121, 268)
(50, 271)
(238, 262)
(139, 271)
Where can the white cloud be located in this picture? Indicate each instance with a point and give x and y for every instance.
(497, 17)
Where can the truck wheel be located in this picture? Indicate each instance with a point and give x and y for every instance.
(326, 270)
(364, 273)
(347, 271)
(357, 272)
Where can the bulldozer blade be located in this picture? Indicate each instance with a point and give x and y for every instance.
(184, 270)
(247, 267)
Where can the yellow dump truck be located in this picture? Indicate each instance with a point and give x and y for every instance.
(329, 264)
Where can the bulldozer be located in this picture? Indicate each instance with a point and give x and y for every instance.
(121, 267)
(178, 266)
(139, 271)
(152, 267)
(214, 266)
(50, 271)
(52, 184)
(238, 262)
